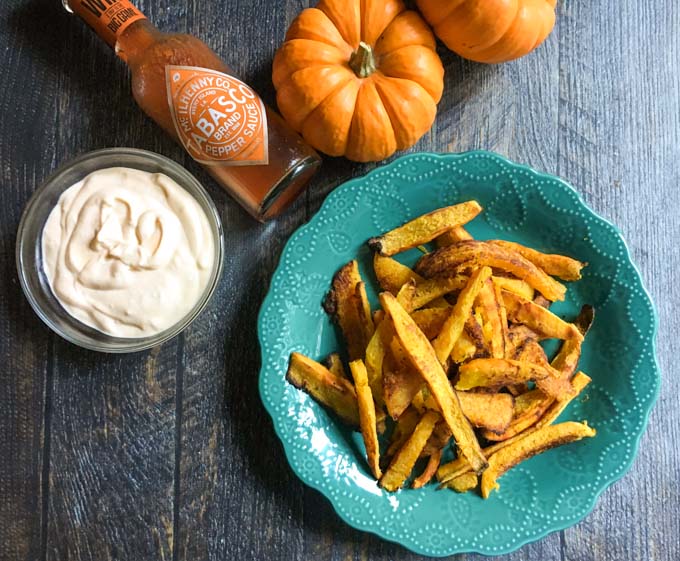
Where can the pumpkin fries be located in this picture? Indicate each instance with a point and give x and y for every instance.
(448, 379)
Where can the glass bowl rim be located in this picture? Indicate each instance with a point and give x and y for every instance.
(116, 345)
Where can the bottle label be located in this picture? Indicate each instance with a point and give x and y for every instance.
(109, 18)
(218, 118)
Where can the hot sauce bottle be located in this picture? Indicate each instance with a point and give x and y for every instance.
(222, 123)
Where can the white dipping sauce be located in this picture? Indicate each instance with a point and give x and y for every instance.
(128, 252)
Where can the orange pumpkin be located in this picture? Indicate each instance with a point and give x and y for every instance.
(490, 30)
(359, 78)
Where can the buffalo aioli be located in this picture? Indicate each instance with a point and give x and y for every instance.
(197, 99)
(128, 252)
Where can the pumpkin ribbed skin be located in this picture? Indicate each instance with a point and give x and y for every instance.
(359, 78)
(490, 31)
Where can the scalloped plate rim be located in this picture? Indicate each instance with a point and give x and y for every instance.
(603, 485)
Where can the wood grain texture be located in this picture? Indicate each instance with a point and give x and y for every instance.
(169, 454)
(25, 370)
(113, 431)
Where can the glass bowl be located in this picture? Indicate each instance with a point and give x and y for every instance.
(29, 247)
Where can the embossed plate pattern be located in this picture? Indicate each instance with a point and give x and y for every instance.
(547, 493)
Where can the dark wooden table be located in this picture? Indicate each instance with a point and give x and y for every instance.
(168, 454)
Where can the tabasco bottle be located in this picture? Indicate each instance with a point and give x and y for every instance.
(185, 87)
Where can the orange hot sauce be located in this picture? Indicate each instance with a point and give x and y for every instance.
(223, 124)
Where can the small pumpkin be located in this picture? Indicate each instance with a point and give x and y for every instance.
(490, 30)
(359, 78)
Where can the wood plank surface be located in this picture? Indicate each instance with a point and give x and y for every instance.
(169, 454)
(26, 156)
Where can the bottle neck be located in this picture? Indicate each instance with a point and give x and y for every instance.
(135, 41)
(117, 22)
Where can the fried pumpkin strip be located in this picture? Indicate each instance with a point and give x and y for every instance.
(424, 360)
(503, 316)
(375, 350)
(464, 482)
(423, 401)
(404, 427)
(578, 383)
(567, 358)
(424, 229)
(537, 318)
(491, 411)
(364, 312)
(457, 234)
(498, 372)
(491, 316)
(560, 266)
(556, 385)
(334, 364)
(400, 382)
(367, 420)
(453, 327)
(459, 466)
(529, 407)
(429, 471)
(403, 461)
(473, 330)
(537, 442)
(392, 275)
(430, 290)
(464, 348)
(406, 294)
(473, 253)
(375, 356)
(532, 352)
(526, 403)
(585, 319)
(523, 346)
(518, 286)
(341, 304)
(431, 320)
(542, 301)
(440, 437)
(330, 390)
(518, 337)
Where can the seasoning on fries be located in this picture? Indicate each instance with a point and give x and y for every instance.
(453, 357)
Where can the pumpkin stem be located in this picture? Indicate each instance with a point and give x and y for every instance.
(362, 61)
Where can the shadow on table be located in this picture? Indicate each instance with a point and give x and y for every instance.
(49, 31)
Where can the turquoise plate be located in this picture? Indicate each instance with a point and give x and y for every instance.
(547, 493)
